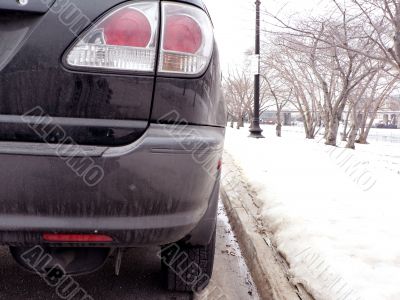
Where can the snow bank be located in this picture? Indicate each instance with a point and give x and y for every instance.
(334, 212)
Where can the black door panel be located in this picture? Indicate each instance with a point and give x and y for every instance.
(32, 75)
(34, 6)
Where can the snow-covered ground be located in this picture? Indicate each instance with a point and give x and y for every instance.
(334, 212)
(376, 135)
(384, 135)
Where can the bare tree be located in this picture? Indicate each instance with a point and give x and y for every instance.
(378, 92)
(351, 53)
(381, 25)
(337, 70)
(288, 69)
(363, 104)
(281, 96)
(356, 99)
(238, 90)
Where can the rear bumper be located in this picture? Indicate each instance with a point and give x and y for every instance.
(152, 192)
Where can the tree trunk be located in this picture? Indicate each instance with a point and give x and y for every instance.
(326, 127)
(363, 126)
(306, 128)
(310, 134)
(279, 124)
(346, 124)
(362, 139)
(279, 130)
(240, 122)
(364, 134)
(310, 130)
(251, 115)
(355, 126)
(309, 126)
(332, 131)
(334, 122)
(352, 137)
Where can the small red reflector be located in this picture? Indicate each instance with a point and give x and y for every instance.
(128, 27)
(76, 238)
(182, 34)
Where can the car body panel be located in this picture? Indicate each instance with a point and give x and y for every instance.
(157, 183)
(195, 101)
(35, 64)
(198, 3)
(154, 142)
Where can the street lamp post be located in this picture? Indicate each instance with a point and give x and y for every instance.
(255, 130)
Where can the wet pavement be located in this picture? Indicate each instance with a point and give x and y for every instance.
(140, 276)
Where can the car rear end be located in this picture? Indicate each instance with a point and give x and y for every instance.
(111, 125)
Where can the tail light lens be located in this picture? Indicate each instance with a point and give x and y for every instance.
(187, 39)
(128, 27)
(125, 39)
(182, 34)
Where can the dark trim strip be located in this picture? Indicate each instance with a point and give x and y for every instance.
(43, 149)
(79, 122)
(26, 222)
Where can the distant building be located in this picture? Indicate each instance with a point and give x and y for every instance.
(270, 117)
(389, 114)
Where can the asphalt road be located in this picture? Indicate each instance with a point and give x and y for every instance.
(140, 276)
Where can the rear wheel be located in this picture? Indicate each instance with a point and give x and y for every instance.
(188, 268)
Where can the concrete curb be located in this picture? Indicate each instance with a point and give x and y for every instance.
(268, 268)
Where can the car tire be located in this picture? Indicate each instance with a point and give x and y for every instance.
(188, 268)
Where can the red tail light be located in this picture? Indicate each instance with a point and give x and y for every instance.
(182, 34)
(187, 39)
(128, 27)
(76, 238)
(126, 38)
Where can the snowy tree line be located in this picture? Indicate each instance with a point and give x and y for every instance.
(341, 66)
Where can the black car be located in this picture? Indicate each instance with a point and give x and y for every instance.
(112, 126)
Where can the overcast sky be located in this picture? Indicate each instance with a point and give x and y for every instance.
(234, 22)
